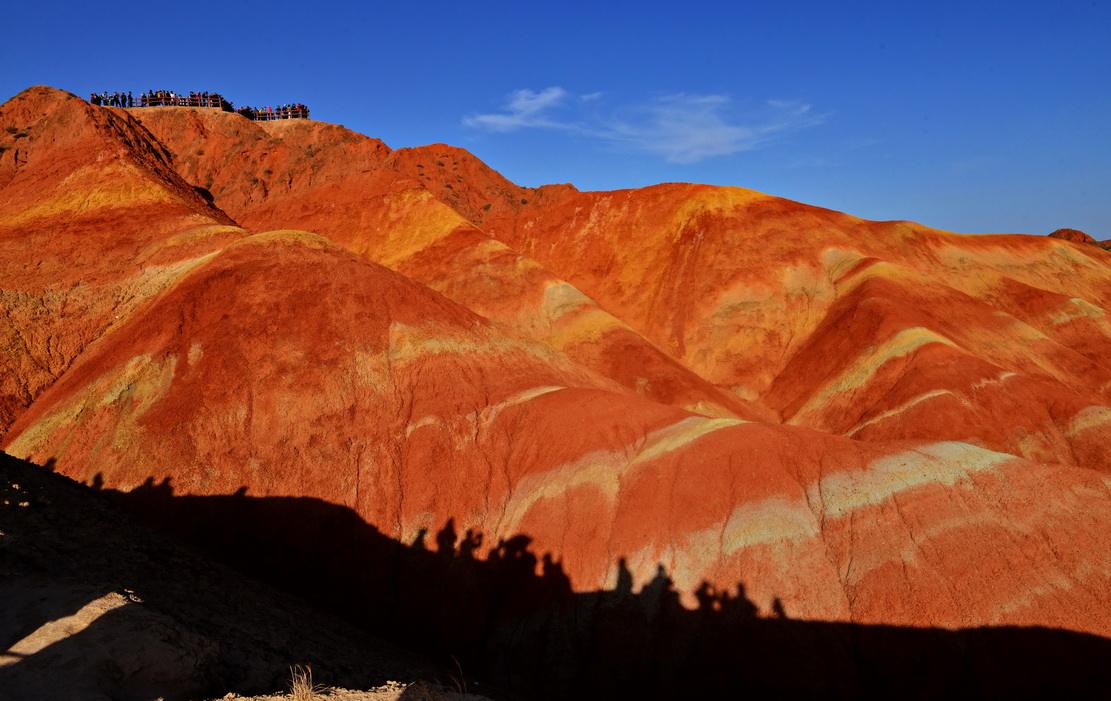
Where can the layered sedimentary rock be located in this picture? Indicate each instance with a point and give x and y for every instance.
(870, 421)
(878, 330)
(93, 221)
(408, 210)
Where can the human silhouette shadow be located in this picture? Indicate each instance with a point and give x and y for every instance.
(93, 604)
(21, 615)
(512, 620)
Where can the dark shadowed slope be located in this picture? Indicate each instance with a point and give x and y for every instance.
(95, 605)
(510, 616)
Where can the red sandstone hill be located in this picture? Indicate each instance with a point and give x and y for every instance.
(93, 221)
(1074, 235)
(1078, 236)
(868, 421)
(401, 209)
(730, 301)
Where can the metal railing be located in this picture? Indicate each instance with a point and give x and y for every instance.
(273, 114)
(195, 100)
(161, 99)
(165, 98)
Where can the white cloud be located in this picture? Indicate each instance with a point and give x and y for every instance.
(682, 128)
(689, 128)
(524, 108)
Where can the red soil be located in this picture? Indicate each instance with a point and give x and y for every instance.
(93, 221)
(872, 421)
(1074, 235)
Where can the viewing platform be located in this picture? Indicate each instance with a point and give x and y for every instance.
(212, 100)
(159, 99)
(269, 114)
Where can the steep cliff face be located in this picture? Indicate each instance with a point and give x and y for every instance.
(870, 421)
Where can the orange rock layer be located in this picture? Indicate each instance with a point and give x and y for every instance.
(871, 421)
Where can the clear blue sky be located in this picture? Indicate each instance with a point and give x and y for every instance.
(968, 116)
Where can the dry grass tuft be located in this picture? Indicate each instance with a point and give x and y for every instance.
(460, 682)
(301, 687)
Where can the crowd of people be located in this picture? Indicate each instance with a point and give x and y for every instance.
(270, 112)
(112, 99)
(161, 98)
(169, 98)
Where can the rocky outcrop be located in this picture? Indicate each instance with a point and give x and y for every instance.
(1074, 235)
(1077, 236)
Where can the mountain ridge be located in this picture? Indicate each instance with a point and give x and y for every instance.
(873, 422)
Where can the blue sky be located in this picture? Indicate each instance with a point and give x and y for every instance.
(974, 117)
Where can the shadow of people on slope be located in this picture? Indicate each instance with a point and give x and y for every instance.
(27, 603)
(95, 605)
(513, 619)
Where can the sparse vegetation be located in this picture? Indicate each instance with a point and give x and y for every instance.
(11, 130)
(486, 207)
(21, 135)
(524, 201)
(301, 687)
(440, 163)
(460, 682)
(268, 172)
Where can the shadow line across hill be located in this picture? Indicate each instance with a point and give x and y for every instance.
(512, 619)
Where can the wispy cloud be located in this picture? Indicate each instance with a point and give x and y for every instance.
(524, 108)
(689, 128)
(682, 128)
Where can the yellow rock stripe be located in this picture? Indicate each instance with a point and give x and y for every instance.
(942, 463)
(866, 365)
